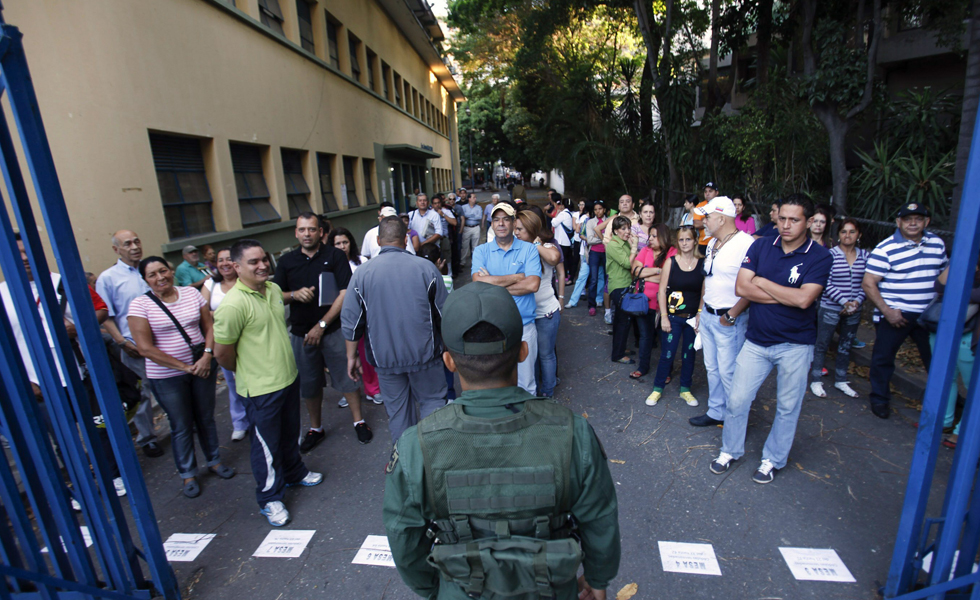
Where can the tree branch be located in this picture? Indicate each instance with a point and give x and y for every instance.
(872, 60)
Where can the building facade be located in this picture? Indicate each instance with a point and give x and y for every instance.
(206, 121)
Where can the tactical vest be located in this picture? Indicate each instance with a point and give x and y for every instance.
(500, 491)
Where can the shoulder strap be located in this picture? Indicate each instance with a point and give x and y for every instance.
(166, 310)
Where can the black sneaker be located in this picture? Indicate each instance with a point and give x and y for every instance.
(704, 421)
(153, 450)
(765, 472)
(722, 463)
(880, 410)
(364, 434)
(310, 440)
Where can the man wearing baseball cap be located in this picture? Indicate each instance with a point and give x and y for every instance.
(501, 470)
(710, 193)
(899, 281)
(721, 322)
(192, 272)
(515, 265)
(370, 247)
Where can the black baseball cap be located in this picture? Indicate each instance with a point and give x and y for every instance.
(913, 209)
(476, 303)
(711, 184)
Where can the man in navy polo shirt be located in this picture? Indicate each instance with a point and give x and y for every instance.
(782, 277)
(899, 281)
(515, 265)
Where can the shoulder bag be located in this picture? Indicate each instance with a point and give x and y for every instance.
(197, 350)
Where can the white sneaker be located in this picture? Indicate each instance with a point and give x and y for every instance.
(608, 318)
(844, 387)
(310, 480)
(342, 403)
(238, 435)
(276, 513)
(377, 399)
(120, 486)
(75, 505)
(817, 388)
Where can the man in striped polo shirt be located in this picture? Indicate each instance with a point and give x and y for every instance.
(899, 280)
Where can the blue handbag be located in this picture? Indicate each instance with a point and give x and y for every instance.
(635, 302)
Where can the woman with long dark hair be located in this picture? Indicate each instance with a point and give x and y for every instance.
(342, 239)
(647, 266)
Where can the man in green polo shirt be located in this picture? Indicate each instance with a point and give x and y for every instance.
(251, 340)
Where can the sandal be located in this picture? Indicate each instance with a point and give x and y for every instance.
(636, 375)
(625, 361)
(948, 440)
(192, 489)
(222, 471)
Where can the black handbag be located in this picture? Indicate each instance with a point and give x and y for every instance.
(197, 350)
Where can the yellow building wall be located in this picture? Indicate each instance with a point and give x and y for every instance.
(108, 71)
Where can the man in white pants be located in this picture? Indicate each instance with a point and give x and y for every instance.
(472, 215)
(513, 264)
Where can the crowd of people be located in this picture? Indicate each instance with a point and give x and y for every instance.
(371, 320)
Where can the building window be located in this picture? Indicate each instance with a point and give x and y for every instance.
(253, 193)
(355, 67)
(305, 17)
(332, 43)
(385, 74)
(183, 182)
(371, 57)
(271, 15)
(325, 166)
(368, 185)
(408, 98)
(350, 181)
(297, 191)
(398, 90)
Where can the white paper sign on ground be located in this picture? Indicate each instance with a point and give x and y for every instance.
(86, 537)
(681, 557)
(816, 564)
(284, 544)
(374, 551)
(184, 547)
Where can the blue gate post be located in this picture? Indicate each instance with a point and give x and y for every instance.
(15, 79)
(941, 378)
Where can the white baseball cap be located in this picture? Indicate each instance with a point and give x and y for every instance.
(719, 204)
(388, 211)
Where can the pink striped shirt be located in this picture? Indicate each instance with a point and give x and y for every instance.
(187, 310)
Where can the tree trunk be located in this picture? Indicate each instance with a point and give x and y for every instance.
(646, 102)
(764, 36)
(713, 99)
(971, 97)
(836, 127)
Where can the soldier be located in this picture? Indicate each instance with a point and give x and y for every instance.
(499, 494)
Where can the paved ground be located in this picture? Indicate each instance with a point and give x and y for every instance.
(842, 490)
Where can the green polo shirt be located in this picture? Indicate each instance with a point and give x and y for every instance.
(257, 324)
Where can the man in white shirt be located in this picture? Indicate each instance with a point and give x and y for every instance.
(370, 247)
(721, 327)
(427, 223)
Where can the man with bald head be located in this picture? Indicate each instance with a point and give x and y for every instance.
(119, 285)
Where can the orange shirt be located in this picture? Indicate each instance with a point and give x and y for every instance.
(704, 238)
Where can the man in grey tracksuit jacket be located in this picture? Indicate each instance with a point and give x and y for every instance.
(395, 301)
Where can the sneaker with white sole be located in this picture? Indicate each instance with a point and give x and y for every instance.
(310, 480)
(342, 403)
(653, 398)
(120, 486)
(376, 399)
(765, 472)
(276, 513)
(848, 390)
(817, 389)
(608, 317)
(238, 435)
(689, 398)
(722, 463)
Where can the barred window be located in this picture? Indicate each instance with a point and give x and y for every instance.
(253, 193)
(183, 183)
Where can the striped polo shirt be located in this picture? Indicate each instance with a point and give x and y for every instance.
(908, 270)
(844, 284)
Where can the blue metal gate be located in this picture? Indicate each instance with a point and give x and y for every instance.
(957, 528)
(36, 510)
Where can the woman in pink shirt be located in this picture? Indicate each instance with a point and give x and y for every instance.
(172, 328)
(743, 217)
(647, 266)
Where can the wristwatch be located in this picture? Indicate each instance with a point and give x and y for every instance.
(209, 350)
(323, 324)
(729, 318)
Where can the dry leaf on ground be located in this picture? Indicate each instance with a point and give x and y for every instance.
(618, 462)
(627, 592)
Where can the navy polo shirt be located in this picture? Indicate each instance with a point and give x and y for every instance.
(771, 324)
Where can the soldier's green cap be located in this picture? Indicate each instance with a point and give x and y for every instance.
(477, 303)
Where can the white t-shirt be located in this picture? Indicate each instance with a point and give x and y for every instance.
(545, 300)
(217, 294)
(560, 222)
(719, 288)
(370, 247)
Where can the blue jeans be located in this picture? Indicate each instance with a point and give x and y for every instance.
(964, 366)
(721, 347)
(189, 404)
(547, 360)
(830, 320)
(754, 363)
(583, 278)
(669, 343)
(597, 276)
(239, 421)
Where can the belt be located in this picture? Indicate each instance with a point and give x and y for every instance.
(477, 225)
(716, 311)
(682, 315)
